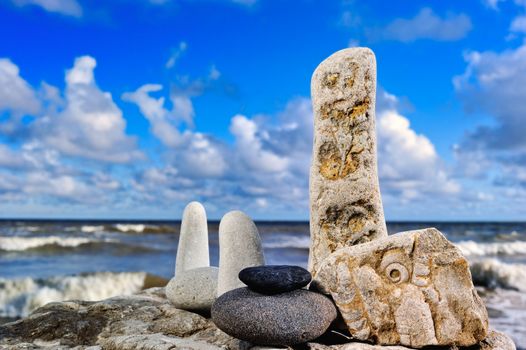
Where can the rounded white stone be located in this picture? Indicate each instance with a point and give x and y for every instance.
(239, 247)
(192, 251)
(193, 290)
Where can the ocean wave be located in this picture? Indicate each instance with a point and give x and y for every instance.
(18, 297)
(91, 229)
(127, 228)
(25, 243)
(472, 248)
(295, 242)
(142, 228)
(130, 228)
(493, 273)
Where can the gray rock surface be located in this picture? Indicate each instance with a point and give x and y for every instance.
(281, 319)
(194, 290)
(192, 251)
(239, 247)
(346, 207)
(412, 288)
(495, 340)
(146, 321)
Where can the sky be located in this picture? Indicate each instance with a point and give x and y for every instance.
(131, 109)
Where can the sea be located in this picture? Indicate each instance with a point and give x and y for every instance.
(45, 261)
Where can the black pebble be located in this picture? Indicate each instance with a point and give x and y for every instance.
(275, 279)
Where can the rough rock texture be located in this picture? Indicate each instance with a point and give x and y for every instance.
(280, 319)
(494, 340)
(239, 247)
(146, 321)
(413, 288)
(346, 207)
(274, 279)
(194, 290)
(192, 251)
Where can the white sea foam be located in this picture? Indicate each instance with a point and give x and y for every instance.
(507, 310)
(25, 243)
(288, 241)
(494, 273)
(91, 229)
(18, 297)
(137, 228)
(472, 248)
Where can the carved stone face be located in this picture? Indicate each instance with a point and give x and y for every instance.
(412, 288)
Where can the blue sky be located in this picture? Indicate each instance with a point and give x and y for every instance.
(131, 109)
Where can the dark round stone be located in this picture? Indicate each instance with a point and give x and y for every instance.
(274, 279)
(281, 319)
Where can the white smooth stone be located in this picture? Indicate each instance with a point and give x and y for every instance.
(192, 251)
(239, 247)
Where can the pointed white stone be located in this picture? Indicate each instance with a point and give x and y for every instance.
(239, 247)
(192, 251)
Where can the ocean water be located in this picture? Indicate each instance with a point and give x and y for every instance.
(44, 261)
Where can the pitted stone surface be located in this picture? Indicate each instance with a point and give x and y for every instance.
(413, 288)
(495, 340)
(346, 207)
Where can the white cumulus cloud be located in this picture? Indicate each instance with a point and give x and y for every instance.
(65, 7)
(16, 95)
(425, 25)
(163, 122)
(494, 85)
(90, 125)
(249, 147)
(408, 163)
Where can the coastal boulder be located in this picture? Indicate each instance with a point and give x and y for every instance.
(281, 319)
(412, 288)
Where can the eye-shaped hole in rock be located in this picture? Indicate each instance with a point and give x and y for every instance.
(397, 273)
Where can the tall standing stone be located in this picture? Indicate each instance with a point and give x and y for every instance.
(192, 251)
(194, 286)
(239, 247)
(346, 207)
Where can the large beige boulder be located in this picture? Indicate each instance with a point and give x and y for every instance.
(413, 289)
(346, 207)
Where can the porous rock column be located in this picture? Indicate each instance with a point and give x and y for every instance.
(345, 203)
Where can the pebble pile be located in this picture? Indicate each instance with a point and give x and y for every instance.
(274, 309)
(196, 284)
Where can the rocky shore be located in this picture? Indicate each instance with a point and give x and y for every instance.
(148, 320)
(411, 289)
